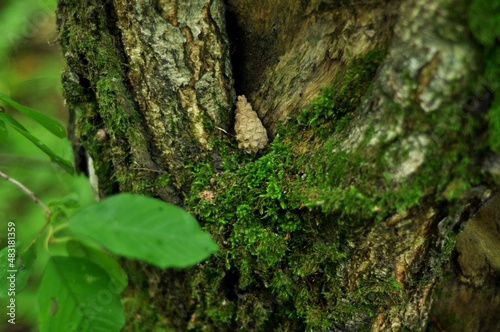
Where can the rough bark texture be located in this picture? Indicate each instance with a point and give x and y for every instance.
(156, 77)
(347, 220)
(287, 51)
(469, 300)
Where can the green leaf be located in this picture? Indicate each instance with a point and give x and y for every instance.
(51, 125)
(77, 295)
(115, 272)
(23, 265)
(70, 201)
(65, 164)
(144, 228)
(3, 132)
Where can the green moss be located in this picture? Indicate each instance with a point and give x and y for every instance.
(342, 97)
(484, 23)
(284, 218)
(484, 17)
(495, 125)
(355, 185)
(97, 91)
(146, 314)
(280, 257)
(141, 311)
(250, 197)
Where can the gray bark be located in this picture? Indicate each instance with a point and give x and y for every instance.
(158, 82)
(287, 51)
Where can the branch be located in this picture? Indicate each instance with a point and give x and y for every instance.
(27, 192)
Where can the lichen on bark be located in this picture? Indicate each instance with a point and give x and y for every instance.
(156, 77)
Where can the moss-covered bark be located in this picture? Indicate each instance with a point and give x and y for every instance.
(347, 221)
(155, 78)
(285, 52)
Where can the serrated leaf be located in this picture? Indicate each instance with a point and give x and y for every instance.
(65, 164)
(21, 270)
(51, 125)
(99, 257)
(77, 295)
(144, 228)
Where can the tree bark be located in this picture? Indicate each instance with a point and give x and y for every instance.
(285, 52)
(347, 221)
(151, 83)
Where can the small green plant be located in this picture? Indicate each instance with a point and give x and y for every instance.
(51, 125)
(82, 281)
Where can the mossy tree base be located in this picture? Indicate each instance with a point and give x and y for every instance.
(348, 219)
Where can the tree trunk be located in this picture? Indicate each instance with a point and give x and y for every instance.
(154, 78)
(348, 219)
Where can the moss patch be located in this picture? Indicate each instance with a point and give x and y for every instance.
(98, 93)
(285, 219)
(282, 252)
(338, 101)
(484, 23)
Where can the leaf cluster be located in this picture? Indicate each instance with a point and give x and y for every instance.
(82, 281)
(51, 125)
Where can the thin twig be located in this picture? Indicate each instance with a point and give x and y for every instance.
(224, 131)
(147, 169)
(440, 329)
(27, 192)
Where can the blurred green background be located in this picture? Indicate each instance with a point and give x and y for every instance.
(31, 63)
